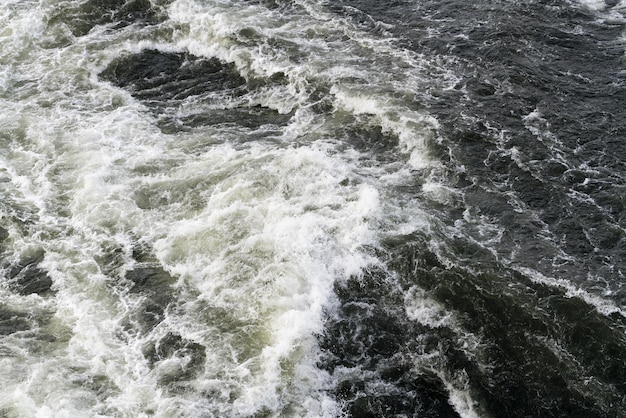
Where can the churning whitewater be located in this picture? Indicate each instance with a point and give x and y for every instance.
(310, 208)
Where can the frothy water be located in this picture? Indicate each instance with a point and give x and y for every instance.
(268, 208)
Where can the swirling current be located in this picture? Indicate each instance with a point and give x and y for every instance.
(312, 208)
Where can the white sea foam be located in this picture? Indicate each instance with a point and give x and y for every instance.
(595, 5)
(262, 233)
(602, 305)
(214, 31)
(74, 166)
(461, 400)
(425, 310)
(607, 13)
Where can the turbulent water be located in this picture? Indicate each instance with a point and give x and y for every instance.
(309, 208)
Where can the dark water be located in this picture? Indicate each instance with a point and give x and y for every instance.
(346, 208)
(533, 136)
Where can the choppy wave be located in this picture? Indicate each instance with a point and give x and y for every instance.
(298, 208)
